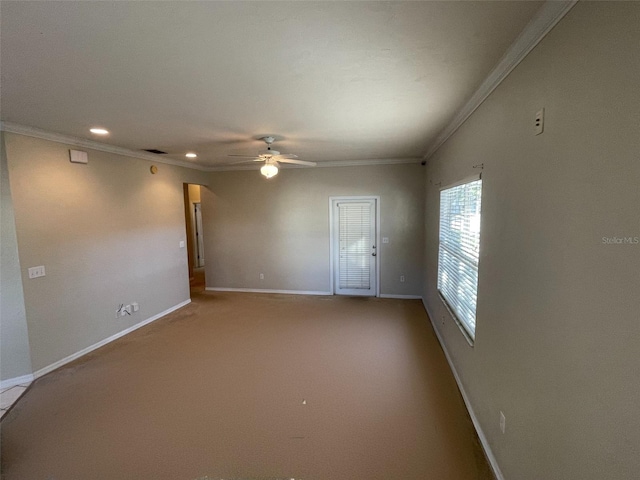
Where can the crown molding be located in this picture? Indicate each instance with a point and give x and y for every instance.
(547, 17)
(103, 147)
(93, 145)
(345, 163)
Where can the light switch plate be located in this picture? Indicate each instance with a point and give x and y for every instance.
(35, 272)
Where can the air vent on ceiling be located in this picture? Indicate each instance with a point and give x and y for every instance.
(157, 152)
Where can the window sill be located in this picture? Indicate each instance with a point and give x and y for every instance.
(466, 335)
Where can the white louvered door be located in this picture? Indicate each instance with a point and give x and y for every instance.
(355, 248)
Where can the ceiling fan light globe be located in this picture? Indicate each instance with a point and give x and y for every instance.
(269, 170)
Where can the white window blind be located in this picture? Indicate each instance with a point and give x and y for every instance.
(355, 241)
(459, 251)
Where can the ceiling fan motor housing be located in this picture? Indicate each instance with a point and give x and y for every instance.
(268, 153)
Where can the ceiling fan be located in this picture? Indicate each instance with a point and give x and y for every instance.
(272, 159)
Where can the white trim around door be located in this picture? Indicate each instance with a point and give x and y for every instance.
(333, 201)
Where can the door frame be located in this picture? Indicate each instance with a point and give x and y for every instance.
(354, 198)
(198, 240)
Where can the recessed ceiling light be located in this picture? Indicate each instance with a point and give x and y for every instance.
(99, 131)
(191, 155)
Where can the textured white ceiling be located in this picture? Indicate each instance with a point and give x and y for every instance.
(333, 81)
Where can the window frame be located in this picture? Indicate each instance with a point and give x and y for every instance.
(465, 328)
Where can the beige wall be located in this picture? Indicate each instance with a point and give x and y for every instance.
(280, 227)
(558, 324)
(15, 360)
(107, 233)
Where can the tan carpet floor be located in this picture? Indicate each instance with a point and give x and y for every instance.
(217, 390)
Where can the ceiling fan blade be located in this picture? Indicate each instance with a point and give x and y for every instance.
(297, 162)
(286, 155)
(235, 162)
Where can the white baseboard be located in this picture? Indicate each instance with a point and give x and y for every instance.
(12, 382)
(401, 297)
(84, 351)
(301, 292)
(476, 423)
(260, 290)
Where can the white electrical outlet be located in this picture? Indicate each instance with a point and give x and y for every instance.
(262, 276)
(181, 243)
(385, 239)
(124, 310)
(540, 121)
(35, 272)
(503, 422)
(401, 278)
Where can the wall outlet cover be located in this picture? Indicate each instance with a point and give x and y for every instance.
(540, 121)
(35, 272)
